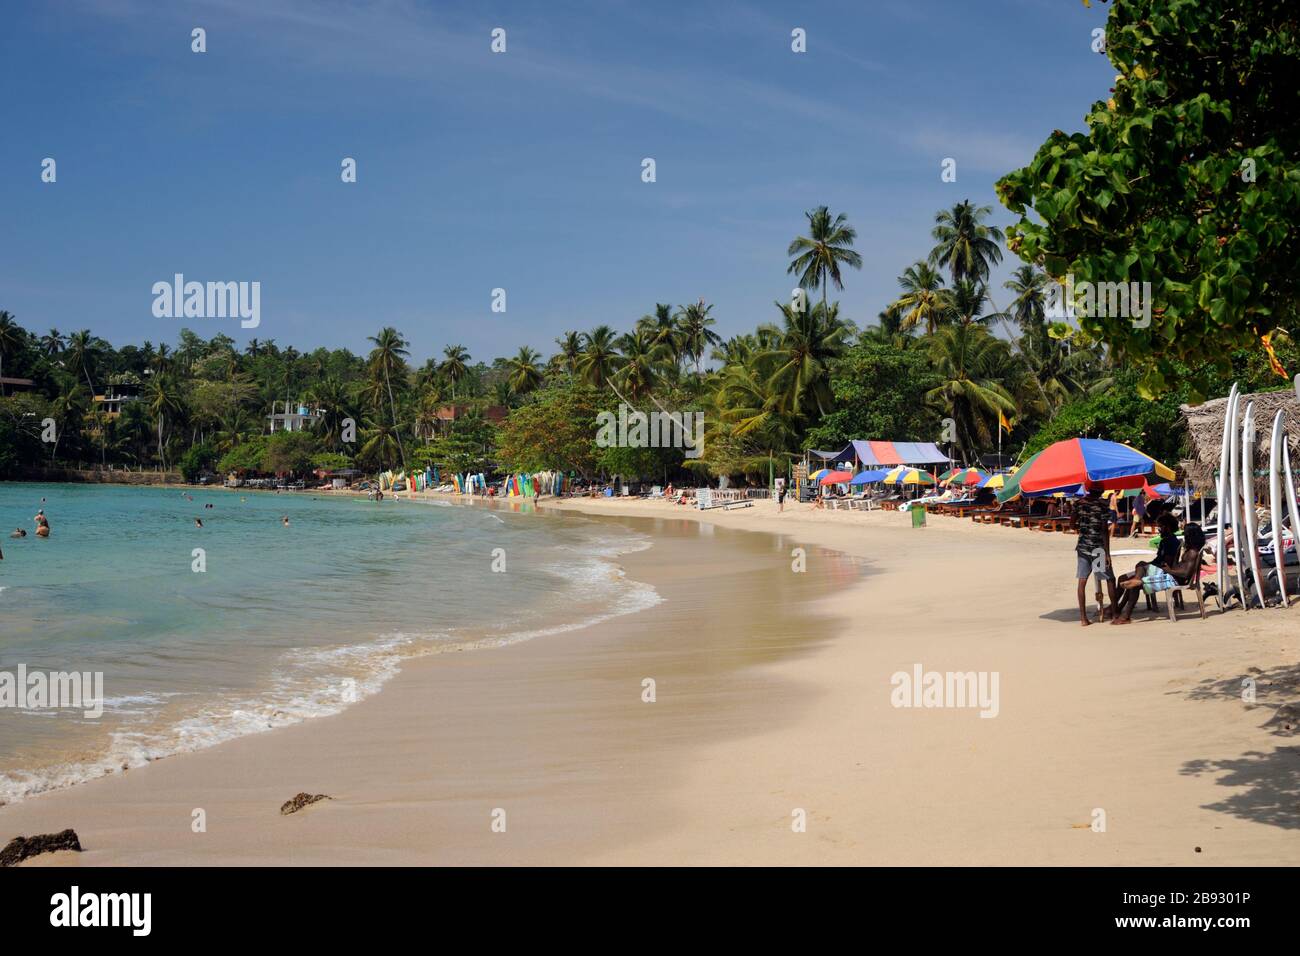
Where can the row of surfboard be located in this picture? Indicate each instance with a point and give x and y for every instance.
(1236, 497)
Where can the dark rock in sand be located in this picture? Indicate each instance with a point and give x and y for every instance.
(302, 800)
(24, 848)
(1284, 719)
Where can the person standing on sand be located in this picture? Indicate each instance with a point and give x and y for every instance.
(780, 495)
(1092, 552)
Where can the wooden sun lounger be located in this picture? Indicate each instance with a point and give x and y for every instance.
(1033, 522)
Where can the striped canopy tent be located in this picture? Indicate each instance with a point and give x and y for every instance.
(874, 454)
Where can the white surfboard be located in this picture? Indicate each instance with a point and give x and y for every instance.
(1222, 485)
(1234, 496)
(1291, 504)
(1251, 543)
(1275, 463)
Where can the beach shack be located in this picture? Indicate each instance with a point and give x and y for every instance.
(861, 454)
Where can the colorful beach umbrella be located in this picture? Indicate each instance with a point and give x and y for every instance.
(1011, 481)
(1088, 462)
(835, 477)
(968, 476)
(818, 473)
(902, 475)
(867, 477)
(948, 474)
(994, 481)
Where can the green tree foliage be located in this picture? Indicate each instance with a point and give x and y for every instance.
(290, 453)
(244, 458)
(556, 431)
(197, 460)
(1185, 178)
(879, 392)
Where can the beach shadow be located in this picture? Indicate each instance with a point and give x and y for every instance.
(1271, 782)
(1069, 615)
(1276, 691)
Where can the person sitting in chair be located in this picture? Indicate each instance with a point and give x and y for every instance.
(1183, 571)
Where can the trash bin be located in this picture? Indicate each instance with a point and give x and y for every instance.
(918, 515)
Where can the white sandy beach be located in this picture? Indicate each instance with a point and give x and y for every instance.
(773, 695)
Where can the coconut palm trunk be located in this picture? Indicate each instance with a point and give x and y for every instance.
(397, 432)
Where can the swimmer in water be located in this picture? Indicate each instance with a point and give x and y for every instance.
(42, 524)
(198, 522)
(18, 533)
(285, 519)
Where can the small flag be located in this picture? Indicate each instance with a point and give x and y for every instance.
(1003, 423)
(1273, 362)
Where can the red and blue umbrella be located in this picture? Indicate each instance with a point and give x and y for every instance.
(1090, 462)
(835, 477)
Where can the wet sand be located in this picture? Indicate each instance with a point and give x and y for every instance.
(773, 703)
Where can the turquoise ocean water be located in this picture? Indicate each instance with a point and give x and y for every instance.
(285, 623)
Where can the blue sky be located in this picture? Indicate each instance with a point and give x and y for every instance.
(519, 170)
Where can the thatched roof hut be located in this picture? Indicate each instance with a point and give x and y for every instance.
(1205, 435)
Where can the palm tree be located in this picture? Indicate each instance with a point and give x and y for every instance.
(11, 340)
(83, 349)
(164, 397)
(664, 330)
(455, 365)
(570, 348)
(694, 332)
(382, 444)
(738, 349)
(161, 360)
(387, 356)
(964, 244)
(817, 257)
(426, 417)
(973, 365)
(68, 410)
(966, 301)
(599, 359)
(924, 300)
(523, 373)
(1028, 285)
(810, 339)
(751, 411)
(642, 360)
(52, 343)
(334, 404)
(235, 426)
